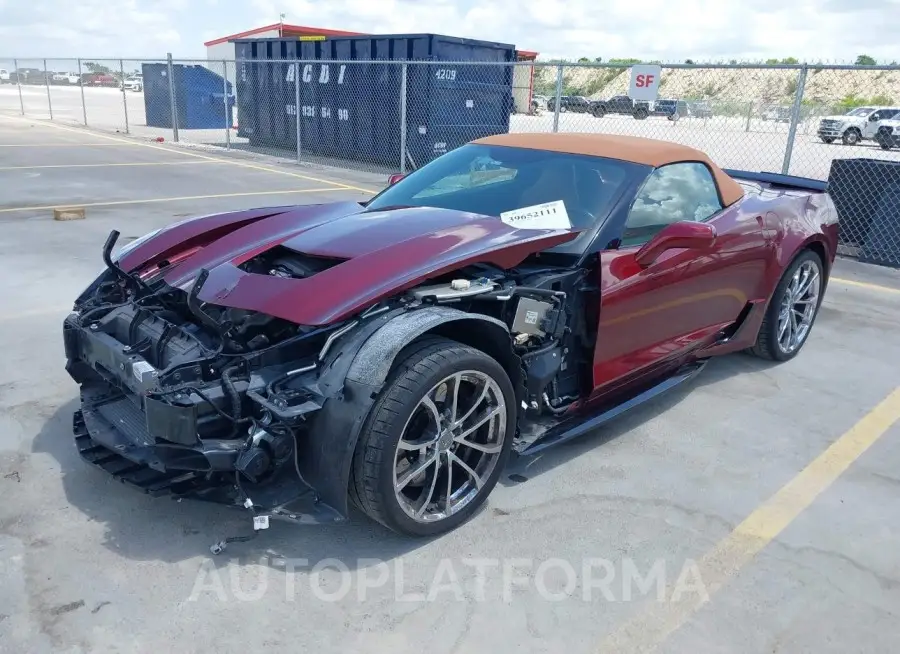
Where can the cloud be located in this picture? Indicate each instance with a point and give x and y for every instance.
(673, 30)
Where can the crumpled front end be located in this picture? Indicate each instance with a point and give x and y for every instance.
(195, 402)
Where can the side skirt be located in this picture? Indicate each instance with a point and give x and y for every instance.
(580, 425)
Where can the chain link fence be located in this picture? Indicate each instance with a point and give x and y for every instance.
(827, 122)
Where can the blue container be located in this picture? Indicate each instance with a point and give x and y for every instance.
(199, 97)
(351, 110)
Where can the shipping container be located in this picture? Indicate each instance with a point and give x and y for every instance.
(200, 97)
(352, 110)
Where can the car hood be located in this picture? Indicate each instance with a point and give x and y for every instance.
(845, 119)
(368, 255)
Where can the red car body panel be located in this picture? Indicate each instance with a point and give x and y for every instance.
(673, 309)
(662, 314)
(381, 253)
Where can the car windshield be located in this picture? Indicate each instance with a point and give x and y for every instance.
(491, 180)
(861, 111)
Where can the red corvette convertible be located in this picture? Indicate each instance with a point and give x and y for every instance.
(510, 295)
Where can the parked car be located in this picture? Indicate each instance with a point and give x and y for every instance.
(4, 77)
(65, 78)
(134, 83)
(621, 104)
(296, 359)
(888, 134)
(539, 103)
(856, 125)
(574, 103)
(103, 79)
(30, 75)
(671, 109)
(700, 110)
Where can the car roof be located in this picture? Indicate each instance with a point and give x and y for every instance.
(635, 149)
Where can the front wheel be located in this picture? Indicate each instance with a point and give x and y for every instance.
(851, 137)
(885, 145)
(436, 440)
(792, 309)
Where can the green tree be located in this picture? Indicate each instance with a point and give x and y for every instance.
(865, 60)
(97, 68)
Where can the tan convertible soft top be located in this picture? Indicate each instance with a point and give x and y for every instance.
(650, 152)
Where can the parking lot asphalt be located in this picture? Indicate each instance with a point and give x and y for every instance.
(754, 510)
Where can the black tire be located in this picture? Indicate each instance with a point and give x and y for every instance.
(641, 114)
(599, 112)
(421, 366)
(827, 139)
(851, 137)
(885, 145)
(767, 346)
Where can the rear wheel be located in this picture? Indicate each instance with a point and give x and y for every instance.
(792, 309)
(436, 440)
(641, 114)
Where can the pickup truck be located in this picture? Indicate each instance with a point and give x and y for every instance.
(857, 125)
(65, 78)
(574, 103)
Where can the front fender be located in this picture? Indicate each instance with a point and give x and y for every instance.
(351, 382)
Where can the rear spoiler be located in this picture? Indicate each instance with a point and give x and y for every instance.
(776, 179)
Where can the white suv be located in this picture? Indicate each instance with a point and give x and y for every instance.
(854, 126)
(134, 83)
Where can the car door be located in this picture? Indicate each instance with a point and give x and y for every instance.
(656, 315)
(873, 122)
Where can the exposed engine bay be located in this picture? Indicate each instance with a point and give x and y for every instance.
(190, 398)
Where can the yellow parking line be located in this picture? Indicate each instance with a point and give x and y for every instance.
(184, 197)
(107, 165)
(871, 287)
(649, 629)
(233, 162)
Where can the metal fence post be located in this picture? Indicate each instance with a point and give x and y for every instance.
(228, 122)
(81, 86)
(749, 115)
(47, 84)
(795, 118)
(173, 105)
(19, 85)
(297, 107)
(403, 81)
(124, 97)
(559, 83)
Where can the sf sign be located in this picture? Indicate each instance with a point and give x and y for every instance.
(645, 82)
(308, 72)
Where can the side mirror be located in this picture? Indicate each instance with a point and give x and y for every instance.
(396, 177)
(686, 234)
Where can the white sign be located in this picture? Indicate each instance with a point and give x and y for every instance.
(550, 215)
(645, 82)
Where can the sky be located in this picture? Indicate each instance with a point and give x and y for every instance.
(833, 31)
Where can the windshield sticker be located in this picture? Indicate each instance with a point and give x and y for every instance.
(550, 215)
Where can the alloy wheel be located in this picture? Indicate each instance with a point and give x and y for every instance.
(798, 307)
(450, 446)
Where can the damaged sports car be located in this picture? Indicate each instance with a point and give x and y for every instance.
(513, 294)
